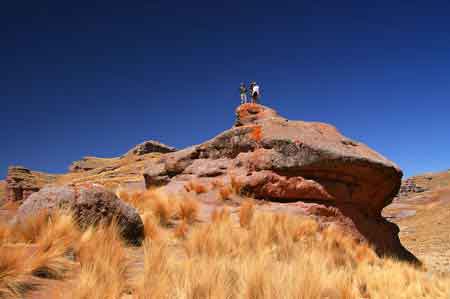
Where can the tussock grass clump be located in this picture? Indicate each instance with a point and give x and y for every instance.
(181, 230)
(188, 209)
(220, 215)
(196, 187)
(236, 185)
(104, 264)
(151, 229)
(215, 184)
(164, 210)
(141, 200)
(246, 213)
(36, 248)
(225, 192)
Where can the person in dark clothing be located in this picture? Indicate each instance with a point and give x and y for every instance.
(243, 93)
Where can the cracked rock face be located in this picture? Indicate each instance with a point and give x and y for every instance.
(301, 167)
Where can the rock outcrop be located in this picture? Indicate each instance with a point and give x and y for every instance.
(150, 146)
(90, 204)
(301, 167)
(107, 164)
(410, 186)
(22, 182)
(90, 163)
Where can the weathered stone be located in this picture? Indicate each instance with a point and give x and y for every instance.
(90, 203)
(90, 163)
(298, 163)
(269, 185)
(22, 182)
(150, 146)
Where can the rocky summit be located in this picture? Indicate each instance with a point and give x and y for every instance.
(305, 168)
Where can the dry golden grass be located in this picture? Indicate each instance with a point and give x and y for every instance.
(219, 215)
(215, 184)
(196, 187)
(225, 192)
(38, 248)
(188, 209)
(235, 184)
(181, 230)
(153, 201)
(104, 262)
(151, 229)
(273, 256)
(163, 211)
(246, 213)
(141, 200)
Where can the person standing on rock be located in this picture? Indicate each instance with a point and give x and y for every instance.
(254, 92)
(243, 92)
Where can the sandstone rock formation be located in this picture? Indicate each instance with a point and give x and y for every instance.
(107, 164)
(306, 168)
(22, 182)
(90, 204)
(150, 146)
(90, 163)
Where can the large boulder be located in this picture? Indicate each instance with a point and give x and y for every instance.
(90, 203)
(303, 167)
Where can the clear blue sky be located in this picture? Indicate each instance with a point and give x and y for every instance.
(97, 77)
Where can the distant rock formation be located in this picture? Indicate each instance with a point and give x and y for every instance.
(150, 146)
(22, 182)
(90, 163)
(106, 164)
(410, 186)
(90, 204)
(305, 168)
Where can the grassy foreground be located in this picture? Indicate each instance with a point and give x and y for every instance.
(258, 256)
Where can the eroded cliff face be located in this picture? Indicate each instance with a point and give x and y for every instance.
(22, 182)
(297, 167)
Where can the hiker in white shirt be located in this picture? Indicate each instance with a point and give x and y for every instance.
(255, 93)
